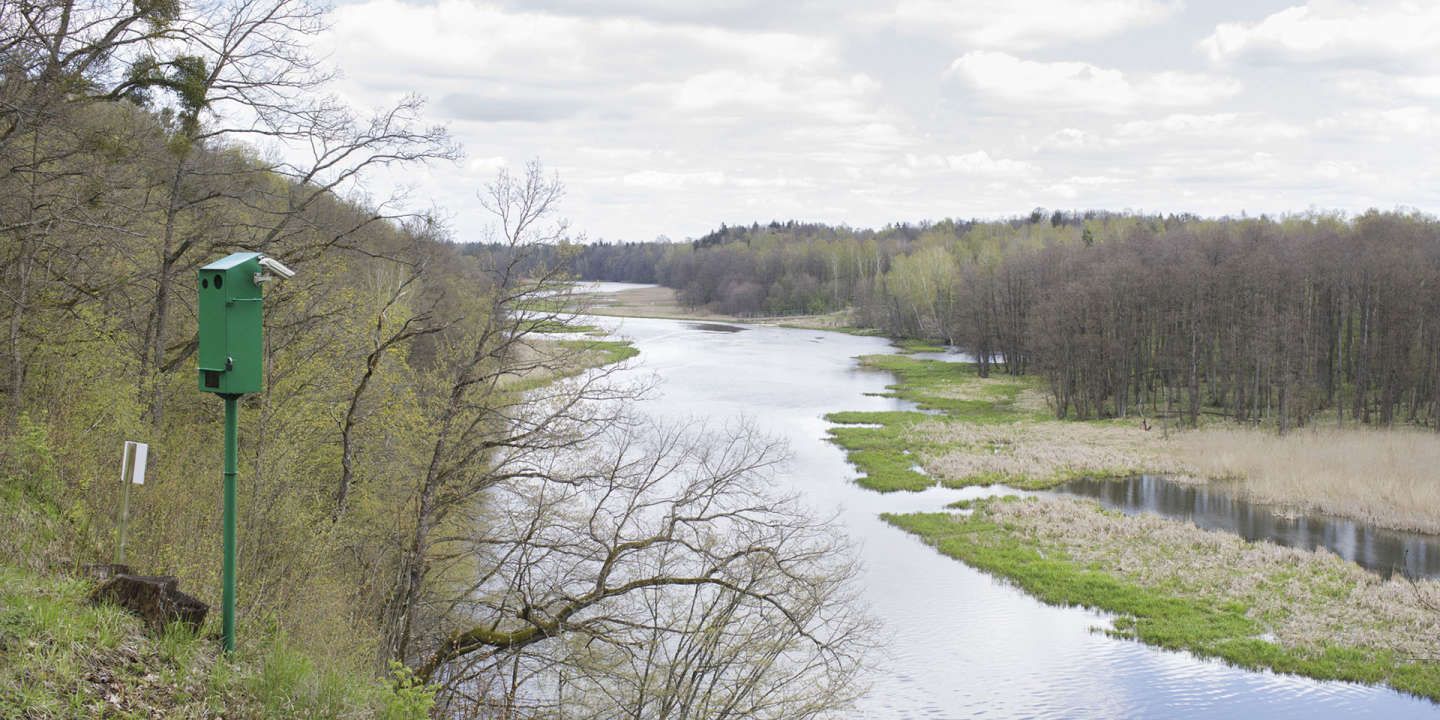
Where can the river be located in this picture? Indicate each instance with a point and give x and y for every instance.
(960, 643)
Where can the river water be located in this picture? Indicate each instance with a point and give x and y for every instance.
(1378, 550)
(960, 643)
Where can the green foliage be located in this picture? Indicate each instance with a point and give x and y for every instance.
(1206, 626)
(30, 465)
(186, 76)
(411, 700)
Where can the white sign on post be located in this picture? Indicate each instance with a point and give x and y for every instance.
(142, 451)
(133, 470)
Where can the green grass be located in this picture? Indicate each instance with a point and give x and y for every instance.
(887, 455)
(974, 431)
(846, 329)
(61, 657)
(603, 352)
(588, 354)
(918, 345)
(955, 389)
(553, 327)
(882, 453)
(542, 305)
(1207, 626)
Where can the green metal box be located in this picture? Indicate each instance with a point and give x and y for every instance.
(231, 335)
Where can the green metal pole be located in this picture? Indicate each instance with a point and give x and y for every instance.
(227, 597)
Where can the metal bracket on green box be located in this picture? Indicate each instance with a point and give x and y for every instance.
(231, 335)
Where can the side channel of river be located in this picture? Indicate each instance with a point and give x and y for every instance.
(1381, 551)
(960, 643)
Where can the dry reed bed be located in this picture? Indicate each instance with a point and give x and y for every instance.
(1385, 477)
(1039, 453)
(1306, 599)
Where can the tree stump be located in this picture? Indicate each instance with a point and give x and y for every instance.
(155, 599)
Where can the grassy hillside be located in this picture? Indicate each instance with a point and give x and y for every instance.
(63, 657)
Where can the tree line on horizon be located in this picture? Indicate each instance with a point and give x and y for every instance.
(1278, 320)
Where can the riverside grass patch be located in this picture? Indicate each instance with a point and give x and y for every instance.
(918, 345)
(588, 354)
(1175, 586)
(971, 430)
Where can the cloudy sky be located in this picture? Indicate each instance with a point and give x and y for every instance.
(670, 116)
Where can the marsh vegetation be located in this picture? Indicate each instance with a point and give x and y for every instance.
(1174, 585)
(1171, 583)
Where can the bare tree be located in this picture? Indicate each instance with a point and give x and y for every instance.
(656, 575)
(241, 71)
(558, 542)
(499, 411)
(388, 333)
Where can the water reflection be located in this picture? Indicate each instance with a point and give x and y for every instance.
(1213, 508)
(715, 327)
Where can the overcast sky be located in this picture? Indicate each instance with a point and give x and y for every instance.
(670, 116)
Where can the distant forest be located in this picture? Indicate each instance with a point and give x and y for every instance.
(1257, 319)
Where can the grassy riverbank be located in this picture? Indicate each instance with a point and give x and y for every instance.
(982, 431)
(1254, 605)
(1170, 584)
(575, 356)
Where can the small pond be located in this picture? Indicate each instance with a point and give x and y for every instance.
(1213, 507)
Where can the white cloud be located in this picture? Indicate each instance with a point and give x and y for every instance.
(1340, 170)
(1381, 125)
(1210, 168)
(666, 180)
(669, 118)
(1376, 88)
(980, 164)
(729, 92)
(976, 164)
(1081, 85)
(1225, 127)
(1072, 187)
(1420, 86)
(463, 41)
(1323, 31)
(660, 180)
(1026, 24)
(1070, 138)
